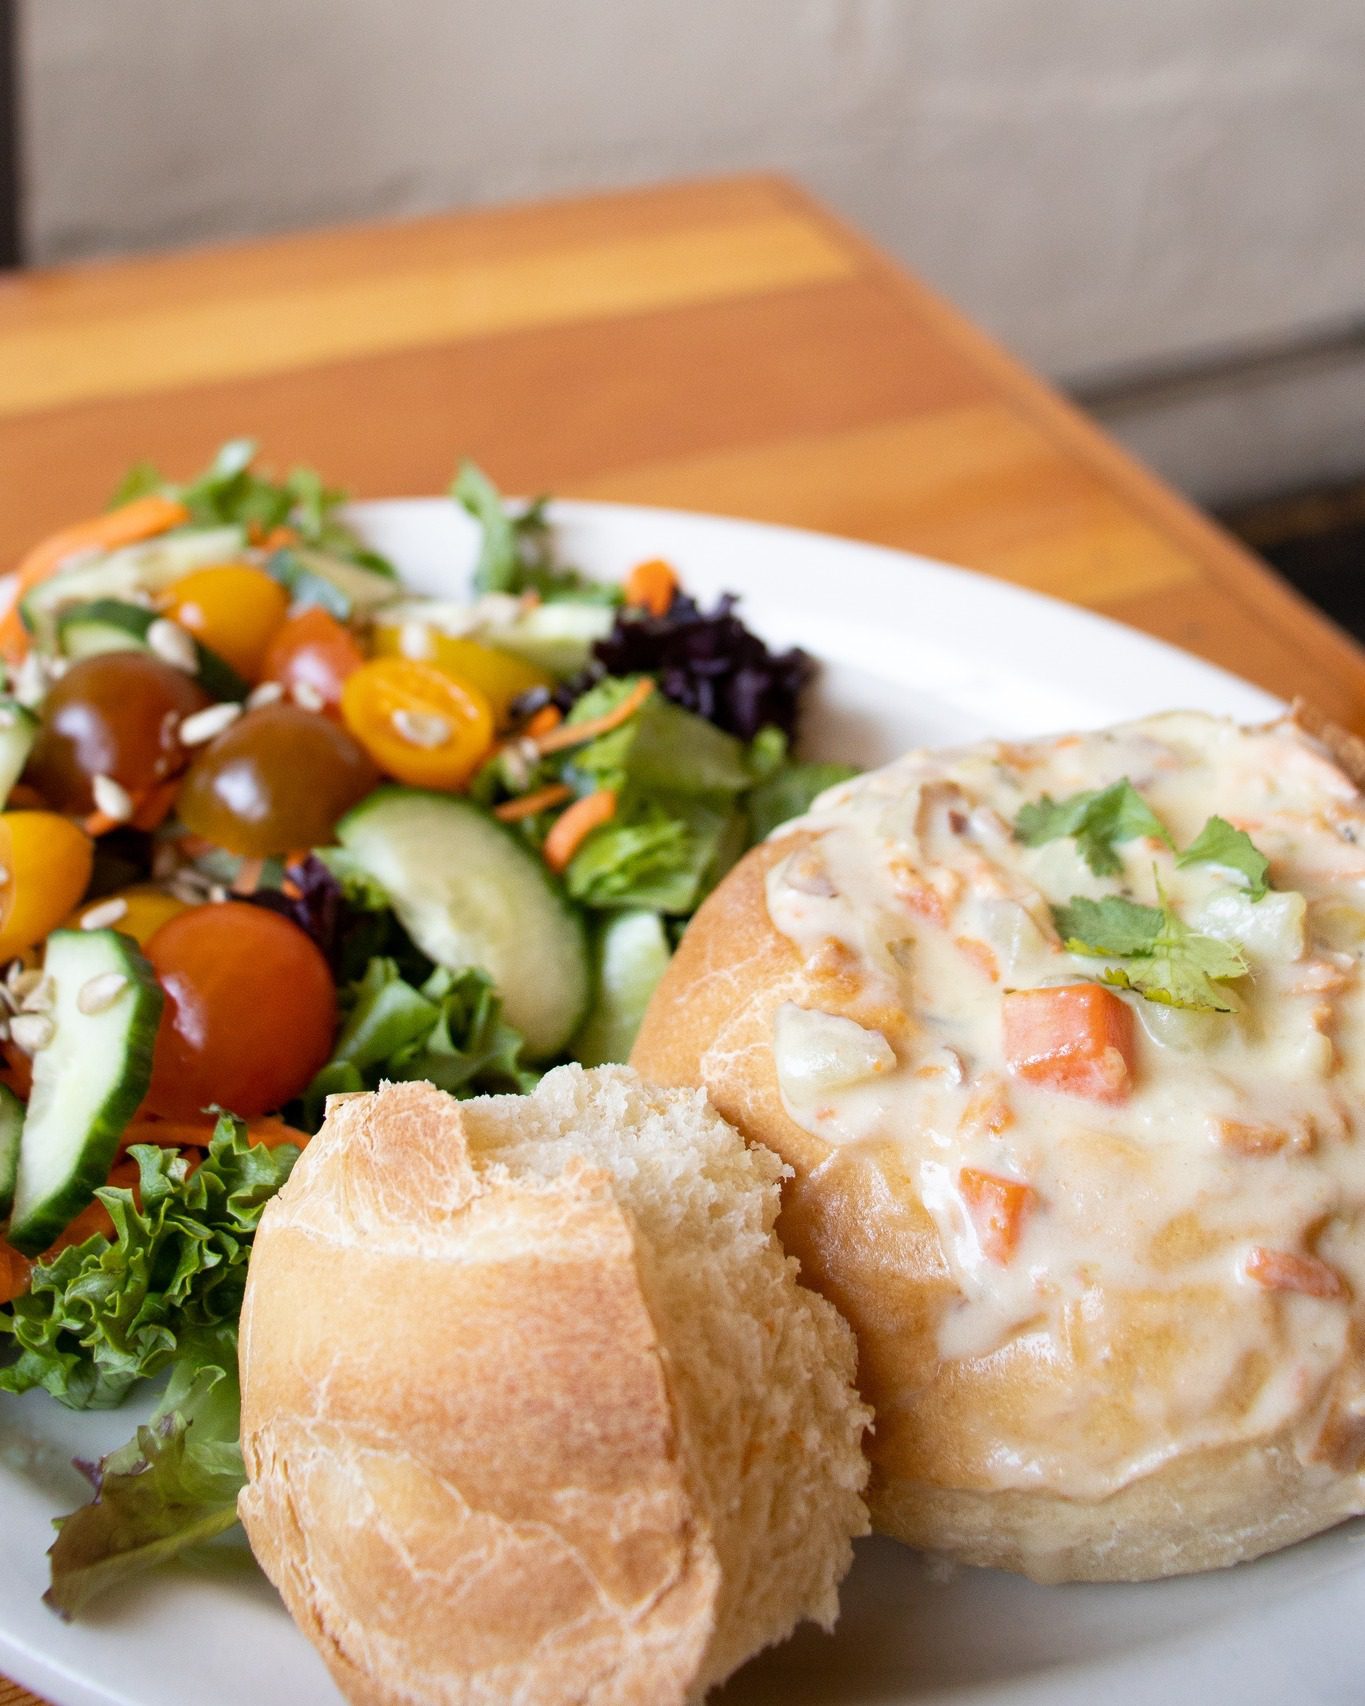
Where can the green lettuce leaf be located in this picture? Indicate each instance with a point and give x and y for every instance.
(517, 552)
(448, 1030)
(789, 793)
(173, 1485)
(663, 852)
(1097, 820)
(233, 492)
(1164, 960)
(104, 1314)
(661, 749)
(1218, 843)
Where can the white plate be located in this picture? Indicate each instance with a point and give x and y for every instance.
(912, 653)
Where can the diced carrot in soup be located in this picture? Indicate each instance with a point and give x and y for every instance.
(1077, 1038)
(998, 1208)
(1282, 1270)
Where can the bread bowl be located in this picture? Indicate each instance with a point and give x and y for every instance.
(1110, 1324)
(534, 1409)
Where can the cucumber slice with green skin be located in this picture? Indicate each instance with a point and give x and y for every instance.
(87, 1082)
(470, 892)
(340, 588)
(18, 727)
(557, 636)
(11, 1129)
(632, 953)
(109, 625)
(145, 568)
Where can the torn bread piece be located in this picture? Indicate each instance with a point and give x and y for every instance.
(534, 1408)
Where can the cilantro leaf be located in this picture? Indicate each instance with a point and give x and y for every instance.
(1165, 960)
(1218, 843)
(1097, 820)
(173, 1484)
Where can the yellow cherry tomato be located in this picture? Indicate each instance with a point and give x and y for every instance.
(417, 723)
(233, 608)
(500, 676)
(145, 909)
(47, 861)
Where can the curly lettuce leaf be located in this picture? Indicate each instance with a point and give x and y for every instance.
(104, 1314)
(448, 1030)
(173, 1485)
(1097, 820)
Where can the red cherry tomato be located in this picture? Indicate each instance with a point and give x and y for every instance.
(313, 650)
(250, 1011)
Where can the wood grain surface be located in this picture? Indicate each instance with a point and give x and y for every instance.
(725, 346)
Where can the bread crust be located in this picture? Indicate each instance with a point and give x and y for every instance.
(857, 1225)
(514, 1524)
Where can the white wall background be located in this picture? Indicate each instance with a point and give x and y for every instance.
(1107, 184)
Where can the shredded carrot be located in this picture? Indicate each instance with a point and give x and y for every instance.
(652, 586)
(997, 1207)
(573, 826)
(248, 878)
(100, 823)
(575, 734)
(546, 718)
(512, 811)
(129, 524)
(275, 540)
(290, 889)
(1281, 1270)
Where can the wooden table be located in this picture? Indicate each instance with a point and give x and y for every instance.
(722, 346)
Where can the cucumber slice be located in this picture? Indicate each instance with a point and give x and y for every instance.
(632, 952)
(557, 636)
(109, 625)
(342, 589)
(87, 1082)
(470, 892)
(11, 1129)
(18, 727)
(150, 567)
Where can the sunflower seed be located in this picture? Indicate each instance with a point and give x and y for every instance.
(112, 798)
(421, 728)
(97, 994)
(306, 696)
(268, 693)
(107, 912)
(208, 724)
(39, 999)
(32, 1031)
(170, 642)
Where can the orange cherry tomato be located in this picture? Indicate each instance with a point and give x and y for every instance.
(47, 861)
(313, 650)
(233, 608)
(250, 1011)
(417, 723)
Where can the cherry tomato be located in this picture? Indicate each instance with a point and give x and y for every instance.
(113, 715)
(275, 781)
(417, 723)
(500, 676)
(47, 862)
(145, 909)
(234, 608)
(250, 1011)
(313, 650)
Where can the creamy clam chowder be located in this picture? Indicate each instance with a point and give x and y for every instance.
(1122, 1050)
